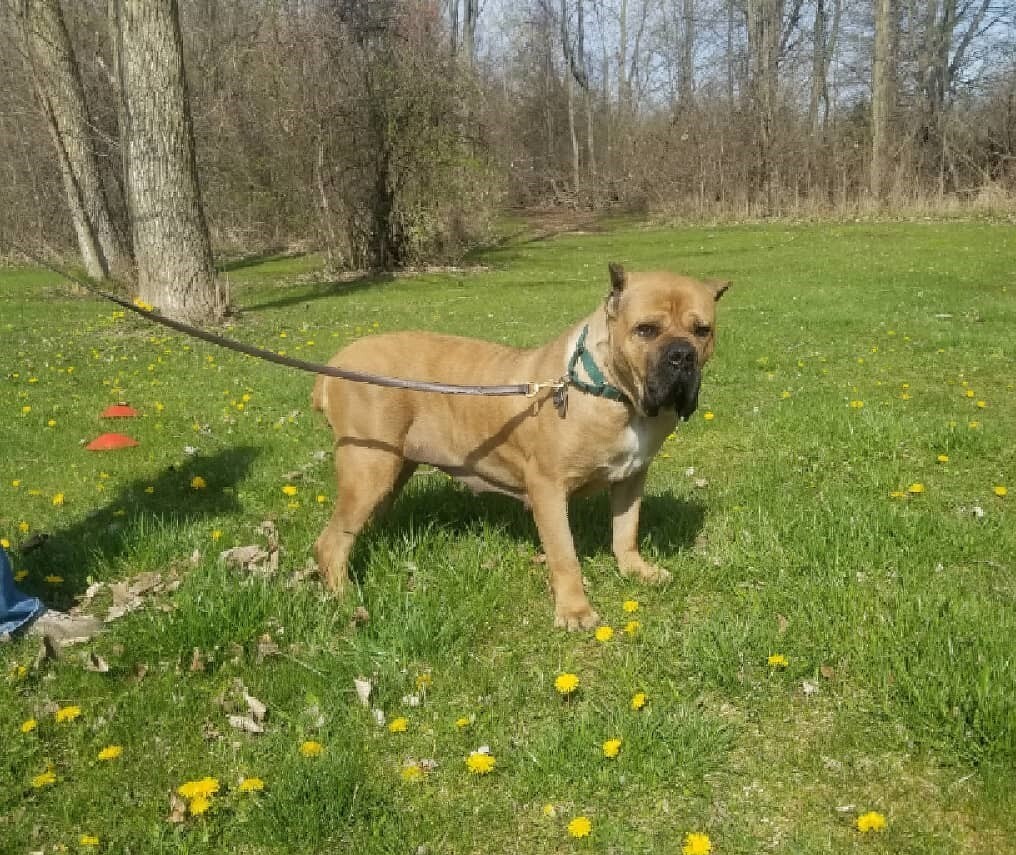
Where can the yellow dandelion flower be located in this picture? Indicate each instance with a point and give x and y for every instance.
(20, 575)
(639, 700)
(199, 805)
(566, 683)
(58, 500)
(398, 725)
(632, 627)
(310, 748)
(870, 821)
(411, 773)
(943, 458)
(216, 534)
(44, 779)
(580, 826)
(18, 672)
(110, 752)
(141, 304)
(321, 498)
(52, 579)
(982, 404)
(708, 415)
(630, 606)
(777, 660)
(696, 844)
(969, 393)
(25, 410)
(68, 713)
(198, 483)
(857, 405)
(88, 840)
(480, 763)
(423, 681)
(251, 785)
(23, 527)
(604, 633)
(915, 489)
(5, 543)
(1001, 491)
(289, 490)
(203, 788)
(51, 423)
(611, 747)
(897, 494)
(28, 725)
(549, 811)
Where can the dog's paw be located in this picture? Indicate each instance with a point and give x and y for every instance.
(574, 618)
(651, 573)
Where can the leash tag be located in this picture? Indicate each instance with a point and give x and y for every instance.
(561, 400)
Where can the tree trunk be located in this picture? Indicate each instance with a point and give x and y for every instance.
(569, 88)
(174, 256)
(472, 13)
(62, 98)
(686, 81)
(765, 19)
(453, 24)
(883, 94)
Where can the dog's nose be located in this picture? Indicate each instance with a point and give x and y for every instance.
(681, 355)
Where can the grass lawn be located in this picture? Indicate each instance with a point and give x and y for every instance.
(854, 363)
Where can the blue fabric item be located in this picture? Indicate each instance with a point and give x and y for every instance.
(16, 610)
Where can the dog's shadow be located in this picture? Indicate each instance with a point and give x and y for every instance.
(669, 524)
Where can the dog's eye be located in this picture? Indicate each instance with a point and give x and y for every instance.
(702, 330)
(647, 330)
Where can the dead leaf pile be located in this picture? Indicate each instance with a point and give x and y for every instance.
(253, 559)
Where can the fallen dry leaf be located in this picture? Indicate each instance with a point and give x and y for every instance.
(197, 662)
(782, 623)
(244, 557)
(245, 723)
(827, 671)
(177, 809)
(257, 709)
(360, 616)
(96, 663)
(266, 647)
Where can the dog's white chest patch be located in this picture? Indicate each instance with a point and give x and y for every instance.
(636, 447)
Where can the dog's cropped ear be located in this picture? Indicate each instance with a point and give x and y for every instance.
(718, 287)
(618, 279)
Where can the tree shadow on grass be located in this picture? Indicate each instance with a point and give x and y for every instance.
(670, 524)
(87, 547)
(277, 253)
(296, 295)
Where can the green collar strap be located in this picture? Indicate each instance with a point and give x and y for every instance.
(597, 384)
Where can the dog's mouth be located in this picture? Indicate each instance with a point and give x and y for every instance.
(673, 383)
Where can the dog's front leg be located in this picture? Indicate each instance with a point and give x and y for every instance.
(550, 509)
(625, 505)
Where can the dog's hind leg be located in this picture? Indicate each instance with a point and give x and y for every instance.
(367, 477)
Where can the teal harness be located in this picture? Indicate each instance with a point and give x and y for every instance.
(597, 384)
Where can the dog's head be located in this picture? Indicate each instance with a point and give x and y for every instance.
(662, 330)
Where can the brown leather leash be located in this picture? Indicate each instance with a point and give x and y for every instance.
(527, 389)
